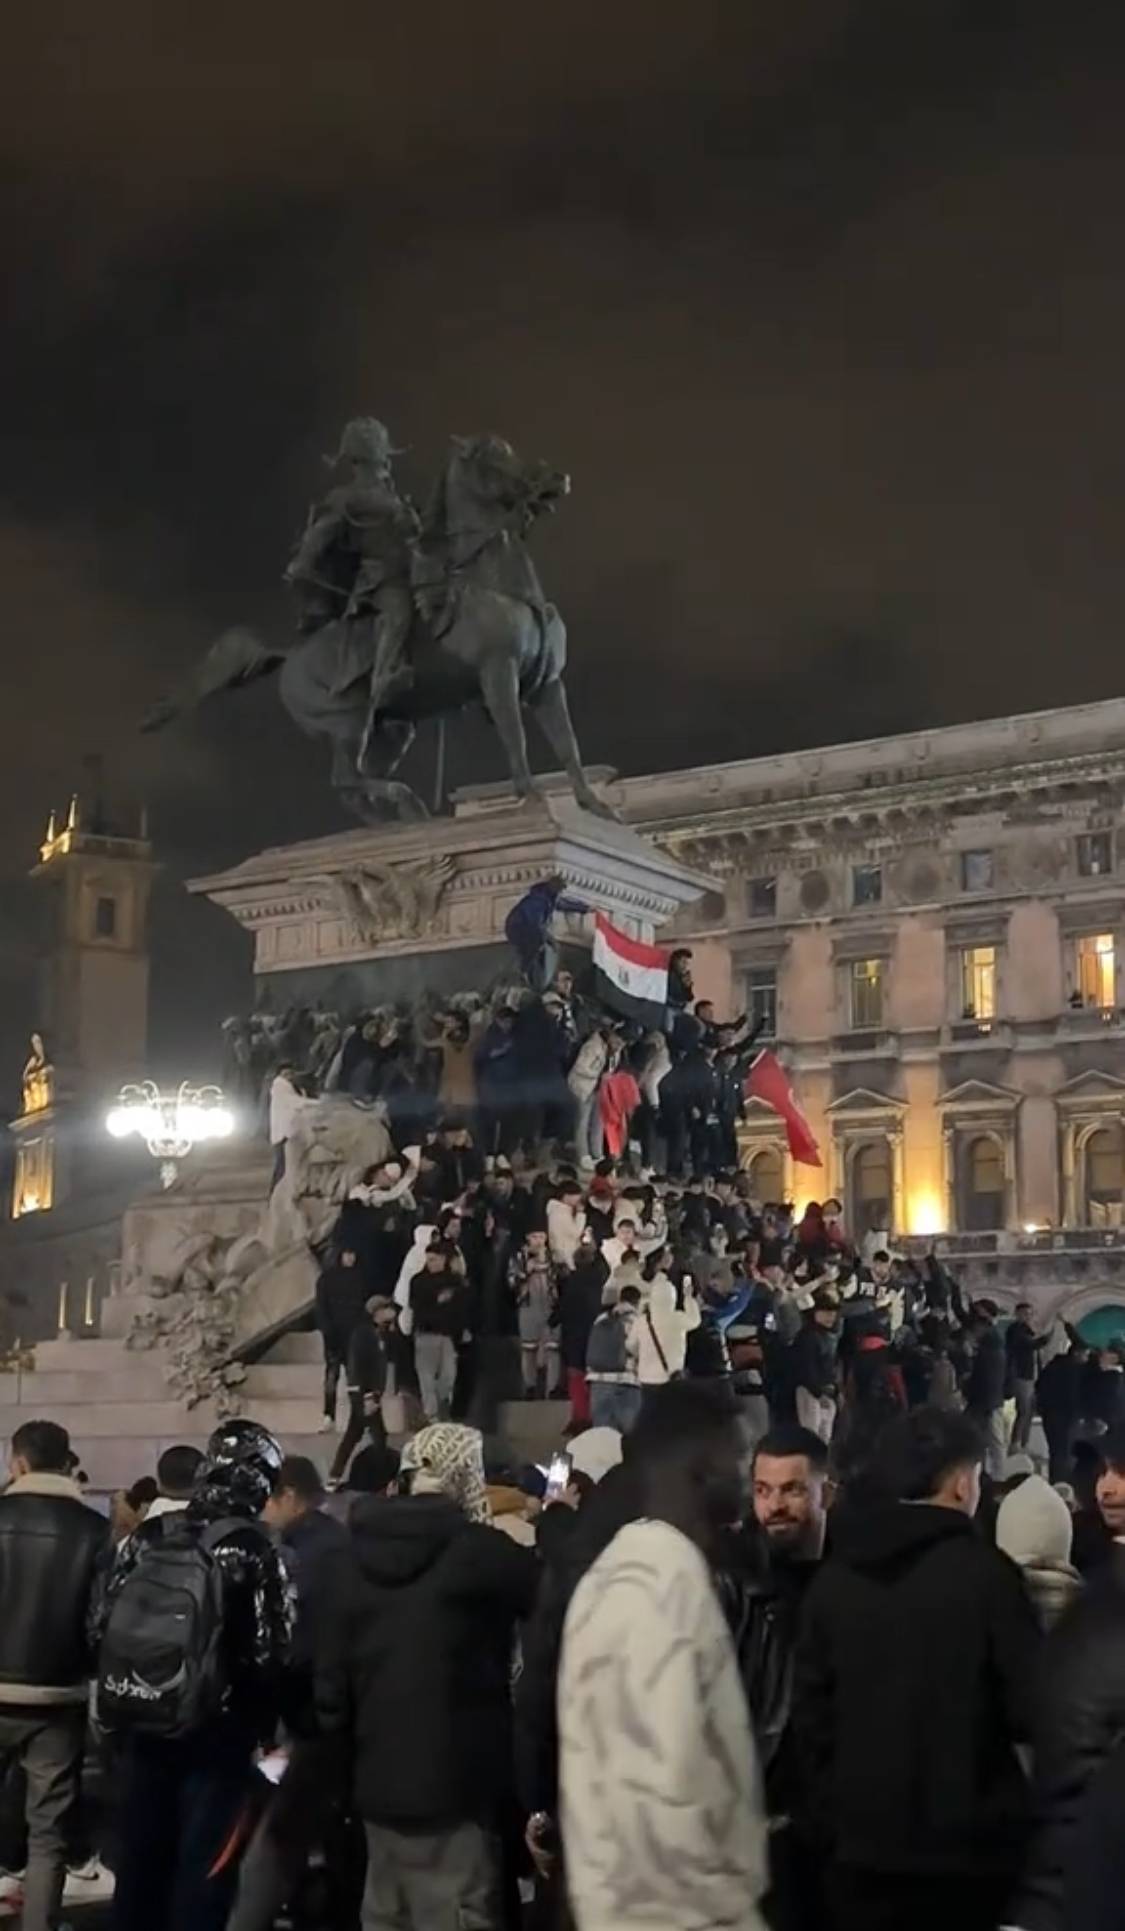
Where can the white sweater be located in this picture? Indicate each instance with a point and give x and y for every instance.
(662, 1811)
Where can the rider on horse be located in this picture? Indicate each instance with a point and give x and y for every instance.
(355, 561)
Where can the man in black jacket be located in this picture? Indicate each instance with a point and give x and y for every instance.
(306, 1809)
(377, 1366)
(439, 1298)
(580, 1303)
(1022, 1345)
(1079, 1725)
(415, 1675)
(1058, 1392)
(913, 1688)
(763, 1589)
(51, 1546)
(987, 1386)
(341, 1295)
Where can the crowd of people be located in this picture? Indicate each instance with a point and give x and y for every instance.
(536, 1063)
(813, 1624)
(687, 1683)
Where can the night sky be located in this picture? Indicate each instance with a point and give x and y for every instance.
(821, 303)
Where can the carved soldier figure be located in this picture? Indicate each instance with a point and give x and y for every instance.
(354, 561)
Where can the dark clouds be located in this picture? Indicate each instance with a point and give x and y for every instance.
(821, 303)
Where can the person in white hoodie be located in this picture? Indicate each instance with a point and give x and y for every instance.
(412, 1265)
(663, 1824)
(566, 1224)
(663, 1327)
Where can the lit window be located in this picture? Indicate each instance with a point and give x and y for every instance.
(34, 1181)
(867, 992)
(1097, 974)
(1095, 854)
(763, 898)
(867, 884)
(976, 871)
(761, 998)
(978, 982)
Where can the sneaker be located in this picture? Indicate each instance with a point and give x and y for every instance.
(88, 1883)
(326, 1426)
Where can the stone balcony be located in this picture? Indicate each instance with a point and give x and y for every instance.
(1069, 1269)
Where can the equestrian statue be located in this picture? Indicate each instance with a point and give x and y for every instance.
(402, 617)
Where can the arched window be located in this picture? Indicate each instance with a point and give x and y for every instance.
(871, 1187)
(984, 1176)
(767, 1175)
(1105, 1177)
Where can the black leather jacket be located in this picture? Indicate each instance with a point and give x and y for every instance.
(51, 1546)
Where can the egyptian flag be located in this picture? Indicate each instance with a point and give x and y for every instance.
(767, 1080)
(630, 977)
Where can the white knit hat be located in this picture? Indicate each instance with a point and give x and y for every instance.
(1034, 1524)
(595, 1452)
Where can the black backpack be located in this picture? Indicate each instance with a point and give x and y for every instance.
(161, 1668)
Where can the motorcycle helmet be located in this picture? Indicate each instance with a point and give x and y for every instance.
(242, 1463)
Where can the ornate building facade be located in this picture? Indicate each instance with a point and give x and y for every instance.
(933, 928)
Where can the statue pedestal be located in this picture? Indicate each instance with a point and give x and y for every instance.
(360, 919)
(368, 917)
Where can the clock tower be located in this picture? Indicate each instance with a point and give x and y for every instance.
(94, 877)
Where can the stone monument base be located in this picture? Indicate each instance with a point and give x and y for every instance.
(355, 920)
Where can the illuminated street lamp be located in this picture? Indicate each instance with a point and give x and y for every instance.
(170, 1124)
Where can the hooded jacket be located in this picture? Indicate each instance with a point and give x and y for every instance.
(415, 1667)
(580, 1303)
(1079, 1724)
(913, 1687)
(662, 1330)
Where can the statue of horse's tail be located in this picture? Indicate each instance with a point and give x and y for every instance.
(237, 657)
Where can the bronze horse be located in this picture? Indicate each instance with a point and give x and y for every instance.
(484, 633)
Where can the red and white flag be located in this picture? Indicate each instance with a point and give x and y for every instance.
(767, 1080)
(630, 976)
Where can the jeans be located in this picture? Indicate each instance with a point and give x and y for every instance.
(589, 1134)
(181, 1805)
(435, 1358)
(614, 1404)
(432, 1880)
(49, 1744)
(1024, 1392)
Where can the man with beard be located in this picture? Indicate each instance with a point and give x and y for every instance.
(763, 1590)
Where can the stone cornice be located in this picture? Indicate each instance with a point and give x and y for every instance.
(764, 828)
